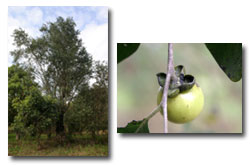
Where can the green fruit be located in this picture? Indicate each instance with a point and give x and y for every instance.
(186, 106)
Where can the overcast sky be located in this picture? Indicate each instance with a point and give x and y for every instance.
(91, 21)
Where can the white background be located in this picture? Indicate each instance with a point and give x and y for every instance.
(153, 21)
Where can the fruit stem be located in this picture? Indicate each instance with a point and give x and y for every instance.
(156, 110)
(170, 76)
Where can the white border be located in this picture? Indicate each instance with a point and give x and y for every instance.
(154, 21)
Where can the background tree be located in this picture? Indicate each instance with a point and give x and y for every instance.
(59, 61)
(36, 113)
(101, 74)
(20, 82)
(30, 113)
(98, 99)
(89, 111)
(77, 117)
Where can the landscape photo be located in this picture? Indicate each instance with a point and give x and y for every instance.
(58, 81)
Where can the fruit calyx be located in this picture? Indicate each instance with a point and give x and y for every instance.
(182, 83)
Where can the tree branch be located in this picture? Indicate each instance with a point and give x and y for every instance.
(170, 74)
(157, 109)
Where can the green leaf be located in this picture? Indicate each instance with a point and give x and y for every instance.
(133, 126)
(125, 50)
(229, 58)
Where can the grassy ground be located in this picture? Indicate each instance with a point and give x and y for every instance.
(80, 145)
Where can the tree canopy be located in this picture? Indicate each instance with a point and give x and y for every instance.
(19, 84)
(60, 96)
(58, 60)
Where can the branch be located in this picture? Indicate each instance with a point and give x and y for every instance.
(170, 75)
(157, 109)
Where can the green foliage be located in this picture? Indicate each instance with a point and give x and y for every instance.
(98, 100)
(63, 65)
(125, 50)
(89, 111)
(29, 111)
(36, 113)
(133, 126)
(229, 58)
(77, 118)
(64, 98)
(19, 84)
(101, 74)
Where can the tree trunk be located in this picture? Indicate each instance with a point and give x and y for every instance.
(60, 125)
(93, 135)
(17, 136)
(49, 135)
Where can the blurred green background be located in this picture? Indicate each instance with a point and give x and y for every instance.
(138, 86)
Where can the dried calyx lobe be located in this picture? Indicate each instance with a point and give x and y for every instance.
(182, 83)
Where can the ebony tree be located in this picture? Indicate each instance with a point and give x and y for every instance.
(59, 62)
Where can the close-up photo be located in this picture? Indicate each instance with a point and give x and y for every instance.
(179, 88)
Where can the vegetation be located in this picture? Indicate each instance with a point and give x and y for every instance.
(83, 145)
(50, 93)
